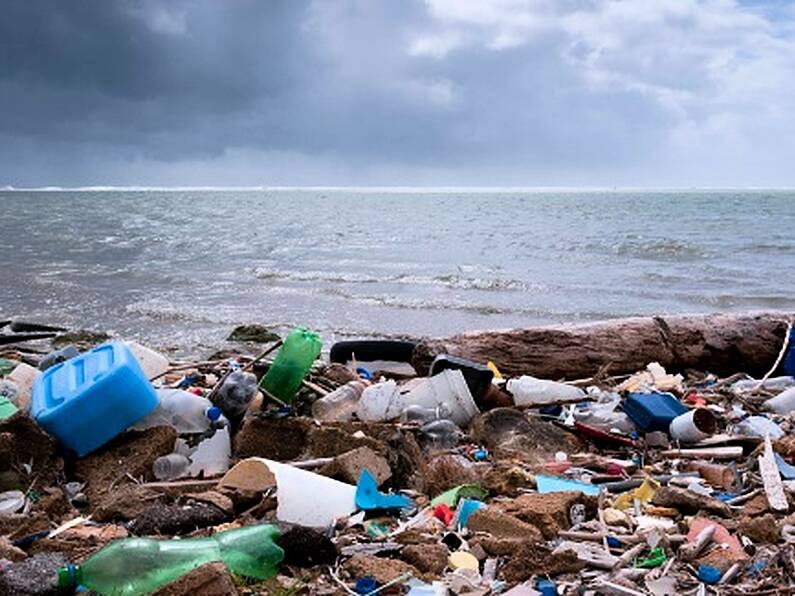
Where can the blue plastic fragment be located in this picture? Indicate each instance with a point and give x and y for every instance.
(553, 484)
(724, 496)
(466, 508)
(365, 585)
(614, 542)
(757, 567)
(480, 455)
(709, 574)
(787, 471)
(368, 497)
(546, 587)
(364, 373)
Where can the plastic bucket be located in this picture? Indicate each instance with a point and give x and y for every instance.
(696, 425)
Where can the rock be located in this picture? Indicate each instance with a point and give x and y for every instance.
(381, 569)
(548, 512)
(124, 503)
(331, 440)
(348, 466)
(20, 525)
(687, 501)
(211, 579)
(428, 558)
(339, 373)
(761, 529)
(258, 334)
(444, 472)
(24, 445)
(305, 547)
(132, 453)
(35, 576)
(531, 439)
(212, 497)
(537, 559)
(82, 338)
(756, 506)
(54, 503)
(9, 551)
(279, 439)
(721, 343)
(502, 526)
(78, 543)
(506, 479)
(175, 519)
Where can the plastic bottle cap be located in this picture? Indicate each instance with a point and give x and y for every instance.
(464, 560)
(709, 574)
(214, 413)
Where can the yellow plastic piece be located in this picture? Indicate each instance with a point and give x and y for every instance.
(463, 560)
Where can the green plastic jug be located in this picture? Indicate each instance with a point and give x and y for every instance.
(137, 566)
(292, 364)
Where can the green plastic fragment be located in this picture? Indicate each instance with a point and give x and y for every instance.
(462, 491)
(656, 558)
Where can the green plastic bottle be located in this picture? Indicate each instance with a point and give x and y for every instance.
(291, 364)
(137, 566)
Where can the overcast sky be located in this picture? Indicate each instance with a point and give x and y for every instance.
(367, 92)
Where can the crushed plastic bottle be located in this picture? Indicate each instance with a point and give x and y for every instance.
(774, 384)
(340, 405)
(171, 466)
(421, 414)
(236, 393)
(443, 434)
(134, 566)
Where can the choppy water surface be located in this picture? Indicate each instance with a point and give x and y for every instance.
(180, 268)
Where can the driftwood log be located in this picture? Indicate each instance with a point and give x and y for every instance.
(722, 344)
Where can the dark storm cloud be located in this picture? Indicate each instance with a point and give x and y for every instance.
(345, 91)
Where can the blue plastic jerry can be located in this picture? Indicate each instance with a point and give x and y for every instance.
(86, 401)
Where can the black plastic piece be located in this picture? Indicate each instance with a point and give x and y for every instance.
(370, 350)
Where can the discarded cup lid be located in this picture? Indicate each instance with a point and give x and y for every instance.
(464, 560)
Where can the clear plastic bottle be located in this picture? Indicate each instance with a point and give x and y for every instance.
(171, 466)
(340, 404)
(134, 566)
(292, 364)
(186, 412)
(236, 393)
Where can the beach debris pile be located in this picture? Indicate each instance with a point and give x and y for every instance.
(269, 468)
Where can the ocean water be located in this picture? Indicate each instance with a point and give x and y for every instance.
(179, 268)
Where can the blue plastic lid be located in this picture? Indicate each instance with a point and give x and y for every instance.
(364, 373)
(365, 585)
(214, 413)
(709, 574)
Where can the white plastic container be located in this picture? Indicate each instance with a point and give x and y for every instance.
(783, 403)
(529, 391)
(384, 401)
(152, 363)
(211, 456)
(696, 425)
(339, 405)
(186, 412)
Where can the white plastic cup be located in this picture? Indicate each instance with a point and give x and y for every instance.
(696, 425)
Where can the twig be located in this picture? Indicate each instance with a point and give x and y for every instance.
(780, 355)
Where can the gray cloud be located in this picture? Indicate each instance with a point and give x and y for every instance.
(196, 92)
